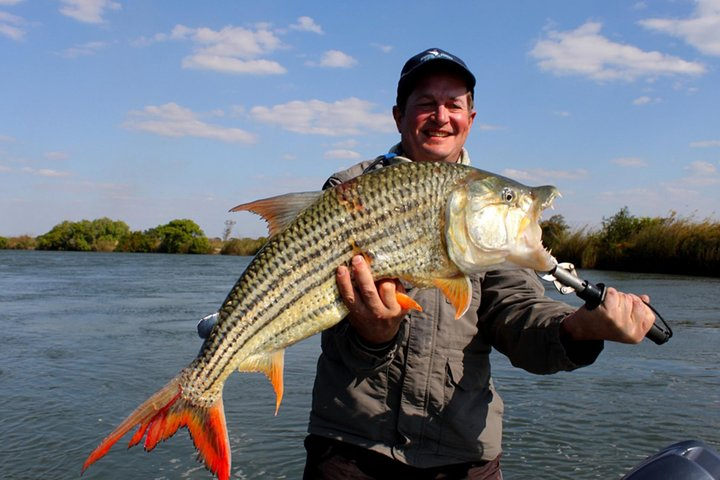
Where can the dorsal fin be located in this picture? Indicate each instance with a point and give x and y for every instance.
(279, 211)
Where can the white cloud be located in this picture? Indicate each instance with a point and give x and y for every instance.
(173, 120)
(540, 174)
(585, 52)
(350, 116)
(9, 3)
(561, 113)
(45, 172)
(234, 50)
(232, 65)
(346, 144)
(341, 154)
(645, 100)
(11, 26)
(701, 173)
(56, 155)
(629, 162)
(701, 30)
(6, 139)
(382, 48)
(705, 144)
(307, 24)
(486, 127)
(89, 48)
(87, 11)
(335, 59)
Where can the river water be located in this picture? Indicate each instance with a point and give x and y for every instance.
(86, 337)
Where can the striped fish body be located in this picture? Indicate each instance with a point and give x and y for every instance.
(397, 217)
(394, 217)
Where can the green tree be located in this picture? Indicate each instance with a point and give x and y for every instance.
(4, 243)
(180, 236)
(137, 242)
(98, 235)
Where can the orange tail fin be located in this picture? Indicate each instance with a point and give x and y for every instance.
(160, 417)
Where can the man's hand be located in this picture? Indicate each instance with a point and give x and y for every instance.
(375, 313)
(622, 317)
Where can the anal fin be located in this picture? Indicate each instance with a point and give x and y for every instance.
(272, 365)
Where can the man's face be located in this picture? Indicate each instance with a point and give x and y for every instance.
(436, 120)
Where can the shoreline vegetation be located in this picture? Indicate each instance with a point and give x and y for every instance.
(670, 245)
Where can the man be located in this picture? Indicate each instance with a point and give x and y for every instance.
(403, 394)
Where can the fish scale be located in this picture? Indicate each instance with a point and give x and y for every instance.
(375, 207)
(427, 223)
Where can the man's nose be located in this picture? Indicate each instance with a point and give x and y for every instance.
(441, 114)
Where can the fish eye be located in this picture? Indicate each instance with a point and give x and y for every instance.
(507, 195)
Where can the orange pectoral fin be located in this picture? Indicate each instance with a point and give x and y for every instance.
(407, 303)
(458, 290)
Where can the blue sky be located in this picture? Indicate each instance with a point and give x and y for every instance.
(148, 111)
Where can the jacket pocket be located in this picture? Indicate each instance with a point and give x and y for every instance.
(468, 373)
(470, 404)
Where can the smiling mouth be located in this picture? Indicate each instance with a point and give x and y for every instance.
(436, 134)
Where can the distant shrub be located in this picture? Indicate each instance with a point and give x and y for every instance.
(23, 242)
(243, 246)
(661, 245)
(102, 235)
(137, 242)
(554, 231)
(179, 236)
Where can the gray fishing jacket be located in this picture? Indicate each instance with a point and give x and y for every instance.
(428, 399)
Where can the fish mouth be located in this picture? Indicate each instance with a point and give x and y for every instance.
(545, 195)
(489, 226)
(531, 252)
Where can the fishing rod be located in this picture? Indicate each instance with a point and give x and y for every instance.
(566, 281)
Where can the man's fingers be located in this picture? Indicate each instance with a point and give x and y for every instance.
(365, 283)
(345, 286)
(387, 288)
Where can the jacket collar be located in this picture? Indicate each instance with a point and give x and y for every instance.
(464, 156)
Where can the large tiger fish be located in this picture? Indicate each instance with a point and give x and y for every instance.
(431, 224)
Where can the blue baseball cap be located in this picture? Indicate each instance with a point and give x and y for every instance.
(431, 60)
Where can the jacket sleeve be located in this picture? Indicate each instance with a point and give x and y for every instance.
(341, 344)
(524, 324)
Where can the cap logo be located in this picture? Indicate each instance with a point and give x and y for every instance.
(436, 54)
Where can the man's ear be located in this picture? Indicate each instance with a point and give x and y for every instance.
(397, 115)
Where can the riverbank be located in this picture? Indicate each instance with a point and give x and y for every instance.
(670, 245)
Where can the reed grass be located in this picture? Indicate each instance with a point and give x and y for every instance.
(672, 245)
